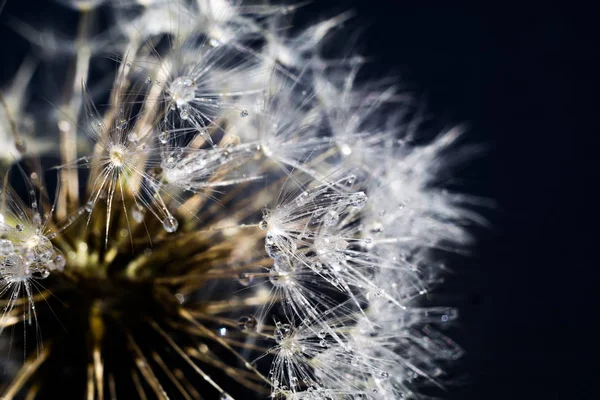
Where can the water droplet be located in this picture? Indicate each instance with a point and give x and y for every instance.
(6, 247)
(19, 228)
(331, 218)
(163, 137)
(89, 206)
(44, 273)
(302, 199)
(263, 225)
(245, 278)
(148, 80)
(180, 298)
(281, 331)
(276, 245)
(244, 113)
(20, 146)
(59, 262)
(247, 323)
(358, 200)
(170, 224)
(183, 90)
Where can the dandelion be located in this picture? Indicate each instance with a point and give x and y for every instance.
(235, 213)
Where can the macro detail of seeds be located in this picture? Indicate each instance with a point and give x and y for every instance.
(203, 199)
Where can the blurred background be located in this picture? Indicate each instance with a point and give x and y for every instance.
(517, 77)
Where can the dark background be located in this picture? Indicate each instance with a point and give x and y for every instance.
(519, 77)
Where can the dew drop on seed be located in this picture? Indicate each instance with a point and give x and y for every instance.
(136, 214)
(302, 199)
(6, 247)
(180, 298)
(245, 278)
(148, 80)
(59, 262)
(163, 137)
(358, 200)
(244, 113)
(282, 331)
(247, 323)
(170, 224)
(331, 218)
(225, 396)
(19, 228)
(263, 225)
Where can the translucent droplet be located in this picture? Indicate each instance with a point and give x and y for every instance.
(19, 228)
(282, 331)
(148, 80)
(163, 137)
(244, 113)
(89, 206)
(302, 199)
(358, 200)
(170, 224)
(6, 247)
(180, 298)
(276, 245)
(59, 262)
(331, 218)
(37, 219)
(279, 275)
(136, 214)
(245, 278)
(225, 396)
(263, 225)
(247, 323)
(184, 114)
(183, 90)
(44, 273)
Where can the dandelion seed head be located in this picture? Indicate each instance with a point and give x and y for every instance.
(239, 210)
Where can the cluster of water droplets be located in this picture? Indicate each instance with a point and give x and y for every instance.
(25, 250)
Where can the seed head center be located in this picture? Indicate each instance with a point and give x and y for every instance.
(117, 155)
